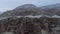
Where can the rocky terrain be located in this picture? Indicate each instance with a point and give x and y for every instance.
(30, 19)
(28, 25)
(30, 9)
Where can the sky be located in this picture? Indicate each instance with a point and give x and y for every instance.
(11, 4)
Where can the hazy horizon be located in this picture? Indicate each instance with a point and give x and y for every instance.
(11, 4)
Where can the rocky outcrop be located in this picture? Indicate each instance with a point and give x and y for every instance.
(26, 25)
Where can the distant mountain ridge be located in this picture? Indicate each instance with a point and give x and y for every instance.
(1, 12)
(30, 9)
(53, 6)
(52, 9)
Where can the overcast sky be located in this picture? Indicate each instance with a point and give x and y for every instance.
(11, 4)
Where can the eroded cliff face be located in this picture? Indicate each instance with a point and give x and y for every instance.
(27, 25)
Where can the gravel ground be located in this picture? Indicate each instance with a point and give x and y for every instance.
(7, 33)
(44, 32)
